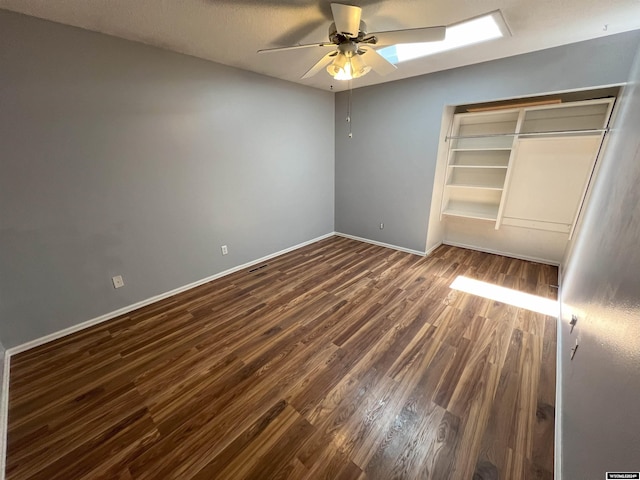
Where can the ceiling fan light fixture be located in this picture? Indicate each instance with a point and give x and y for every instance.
(340, 69)
(358, 67)
(341, 73)
(348, 67)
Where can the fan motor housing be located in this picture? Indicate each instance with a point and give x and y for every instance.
(338, 38)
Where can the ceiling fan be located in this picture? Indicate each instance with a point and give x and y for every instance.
(352, 52)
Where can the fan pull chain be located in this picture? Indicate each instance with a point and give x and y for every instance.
(349, 109)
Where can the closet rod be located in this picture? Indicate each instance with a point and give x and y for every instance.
(524, 134)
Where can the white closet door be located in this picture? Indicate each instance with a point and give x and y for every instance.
(548, 179)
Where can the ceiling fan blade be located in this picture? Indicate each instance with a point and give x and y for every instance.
(324, 61)
(347, 19)
(376, 61)
(411, 35)
(295, 47)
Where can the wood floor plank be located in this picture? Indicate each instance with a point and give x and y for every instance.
(547, 382)
(495, 443)
(237, 450)
(333, 465)
(64, 432)
(524, 421)
(340, 360)
(474, 422)
(411, 450)
(332, 423)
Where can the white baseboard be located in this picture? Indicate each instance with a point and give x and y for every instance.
(504, 254)
(4, 414)
(143, 303)
(432, 249)
(380, 244)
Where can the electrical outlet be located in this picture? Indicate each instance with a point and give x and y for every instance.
(117, 281)
(381, 226)
(224, 249)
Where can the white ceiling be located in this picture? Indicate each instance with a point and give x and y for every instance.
(231, 31)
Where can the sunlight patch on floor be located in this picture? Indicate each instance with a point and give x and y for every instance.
(546, 306)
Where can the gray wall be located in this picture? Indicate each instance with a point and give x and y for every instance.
(600, 417)
(118, 158)
(385, 172)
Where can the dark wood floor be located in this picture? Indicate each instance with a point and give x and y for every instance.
(341, 360)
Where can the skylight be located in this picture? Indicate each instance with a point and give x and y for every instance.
(469, 32)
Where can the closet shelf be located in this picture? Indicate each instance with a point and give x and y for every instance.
(481, 149)
(472, 210)
(481, 187)
(480, 166)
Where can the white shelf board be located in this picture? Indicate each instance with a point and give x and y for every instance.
(481, 187)
(504, 167)
(481, 149)
(478, 211)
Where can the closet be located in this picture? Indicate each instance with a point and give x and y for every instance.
(515, 178)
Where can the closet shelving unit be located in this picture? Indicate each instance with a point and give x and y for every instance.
(480, 152)
(483, 148)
